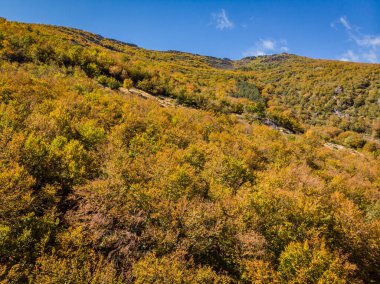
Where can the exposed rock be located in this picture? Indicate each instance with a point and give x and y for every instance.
(338, 147)
(220, 63)
(276, 58)
(338, 90)
(340, 114)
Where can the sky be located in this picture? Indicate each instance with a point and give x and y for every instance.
(329, 29)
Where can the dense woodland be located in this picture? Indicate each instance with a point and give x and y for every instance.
(102, 186)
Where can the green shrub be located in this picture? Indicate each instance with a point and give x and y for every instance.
(351, 139)
(109, 82)
(312, 262)
(127, 83)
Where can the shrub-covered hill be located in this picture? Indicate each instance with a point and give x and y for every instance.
(102, 186)
(293, 91)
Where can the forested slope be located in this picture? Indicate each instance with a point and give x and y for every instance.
(102, 186)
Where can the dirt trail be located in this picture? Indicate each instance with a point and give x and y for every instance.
(163, 101)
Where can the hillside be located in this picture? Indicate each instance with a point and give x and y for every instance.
(120, 164)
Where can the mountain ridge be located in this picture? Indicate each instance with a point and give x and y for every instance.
(186, 52)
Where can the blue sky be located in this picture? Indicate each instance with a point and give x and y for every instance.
(343, 30)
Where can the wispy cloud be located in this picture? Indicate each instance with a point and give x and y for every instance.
(371, 57)
(221, 20)
(267, 46)
(349, 56)
(367, 47)
(368, 41)
(345, 23)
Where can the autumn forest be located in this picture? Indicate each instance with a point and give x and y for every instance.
(125, 165)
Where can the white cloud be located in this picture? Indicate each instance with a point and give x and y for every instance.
(367, 46)
(222, 21)
(345, 23)
(267, 46)
(349, 56)
(284, 48)
(369, 41)
(371, 57)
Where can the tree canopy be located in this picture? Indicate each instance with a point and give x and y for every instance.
(103, 186)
